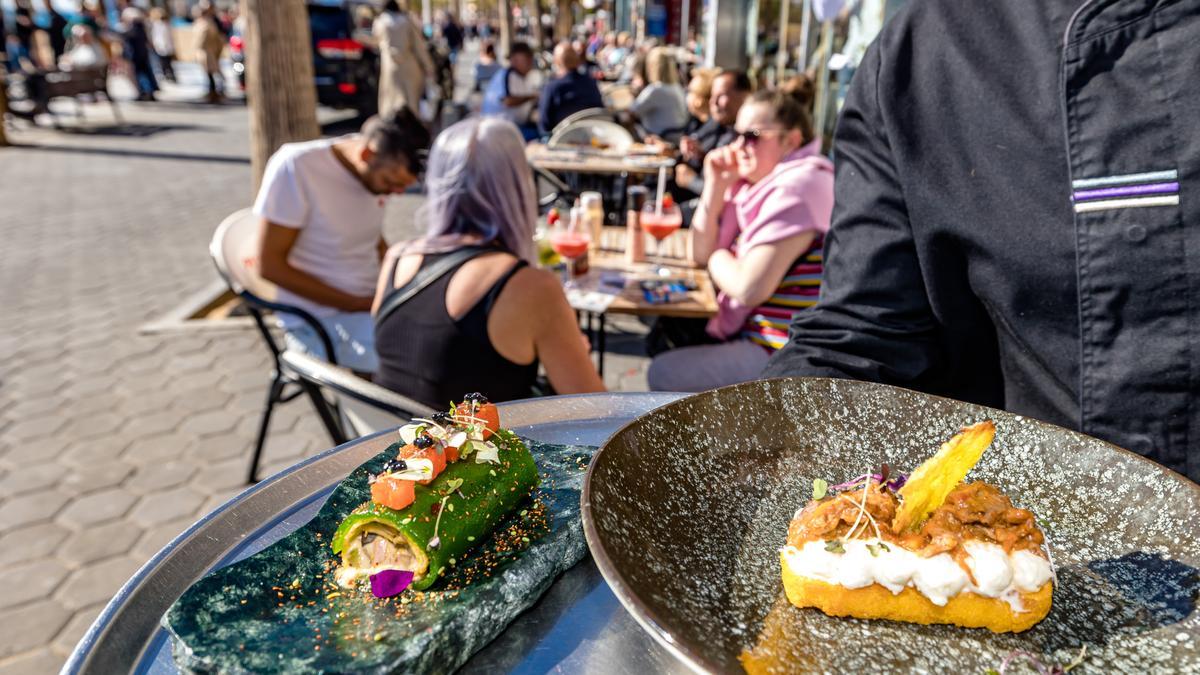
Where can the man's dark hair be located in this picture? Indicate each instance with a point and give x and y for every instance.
(741, 81)
(401, 136)
(520, 48)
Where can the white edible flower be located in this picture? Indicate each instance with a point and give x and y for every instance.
(486, 451)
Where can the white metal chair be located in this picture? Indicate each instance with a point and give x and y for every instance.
(234, 250)
(364, 407)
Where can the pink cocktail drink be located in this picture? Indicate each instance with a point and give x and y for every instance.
(662, 226)
(569, 245)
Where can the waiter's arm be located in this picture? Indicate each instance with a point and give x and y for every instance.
(873, 321)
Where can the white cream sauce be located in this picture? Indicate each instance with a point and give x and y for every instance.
(997, 574)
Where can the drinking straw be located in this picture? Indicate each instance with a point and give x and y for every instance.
(662, 184)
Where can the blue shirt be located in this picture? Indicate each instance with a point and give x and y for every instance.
(564, 97)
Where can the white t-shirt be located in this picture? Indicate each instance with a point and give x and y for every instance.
(518, 85)
(340, 221)
(661, 108)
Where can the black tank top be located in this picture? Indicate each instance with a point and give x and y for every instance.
(430, 357)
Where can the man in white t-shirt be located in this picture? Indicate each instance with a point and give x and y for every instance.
(322, 204)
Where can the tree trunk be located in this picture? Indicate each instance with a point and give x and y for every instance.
(504, 8)
(279, 78)
(534, 9)
(564, 20)
(3, 108)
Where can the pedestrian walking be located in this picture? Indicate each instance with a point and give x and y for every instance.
(404, 60)
(137, 52)
(56, 33)
(163, 42)
(209, 42)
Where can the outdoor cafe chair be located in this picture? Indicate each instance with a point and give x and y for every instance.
(234, 250)
(363, 407)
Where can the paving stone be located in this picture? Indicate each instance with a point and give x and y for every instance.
(31, 478)
(30, 626)
(96, 582)
(208, 424)
(198, 392)
(162, 507)
(77, 627)
(158, 477)
(36, 662)
(155, 538)
(93, 452)
(223, 475)
(98, 425)
(288, 445)
(250, 380)
(97, 507)
(83, 406)
(35, 427)
(100, 475)
(29, 581)
(34, 406)
(28, 509)
(151, 424)
(32, 542)
(224, 446)
(156, 448)
(99, 542)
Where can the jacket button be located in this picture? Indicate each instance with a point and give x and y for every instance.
(1142, 445)
(1135, 233)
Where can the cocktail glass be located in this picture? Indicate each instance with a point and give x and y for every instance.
(660, 226)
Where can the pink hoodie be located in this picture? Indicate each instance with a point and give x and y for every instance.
(794, 198)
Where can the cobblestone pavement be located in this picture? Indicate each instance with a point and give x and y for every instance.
(112, 441)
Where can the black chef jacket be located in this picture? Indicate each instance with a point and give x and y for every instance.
(1017, 217)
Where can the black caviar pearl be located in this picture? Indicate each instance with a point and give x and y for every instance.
(441, 417)
(475, 397)
(423, 441)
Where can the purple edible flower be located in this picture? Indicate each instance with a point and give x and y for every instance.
(853, 482)
(898, 482)
(387, 583)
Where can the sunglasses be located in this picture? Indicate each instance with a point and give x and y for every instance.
(751, 136)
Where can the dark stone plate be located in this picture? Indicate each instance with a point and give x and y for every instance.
(686, 508)
(273, 612)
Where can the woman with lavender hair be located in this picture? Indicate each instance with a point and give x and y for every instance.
(463, 309)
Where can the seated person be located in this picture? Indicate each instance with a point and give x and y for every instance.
(699, 90)
(83, 50)
(570, 91)
(487, 323)
(766, 205)
(661, 105)
(512, 92)
(322, 205)
(486, 66)
(729, 91)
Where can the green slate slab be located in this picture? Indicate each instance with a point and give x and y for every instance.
(279, 611)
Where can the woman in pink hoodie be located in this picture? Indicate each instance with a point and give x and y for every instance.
(766, 206)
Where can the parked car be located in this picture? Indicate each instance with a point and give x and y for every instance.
(345, 62)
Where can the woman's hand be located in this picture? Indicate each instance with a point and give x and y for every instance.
(720, 170)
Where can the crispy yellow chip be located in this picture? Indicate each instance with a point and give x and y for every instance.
(928, 486)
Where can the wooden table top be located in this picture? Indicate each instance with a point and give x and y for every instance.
(583, 161)
(609, 257)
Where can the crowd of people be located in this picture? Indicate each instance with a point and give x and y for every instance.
(467, 303)
(139, 45)
(1059, 290)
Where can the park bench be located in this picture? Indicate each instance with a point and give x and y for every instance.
(74, 84)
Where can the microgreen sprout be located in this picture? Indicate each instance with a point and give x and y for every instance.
(820, 488)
